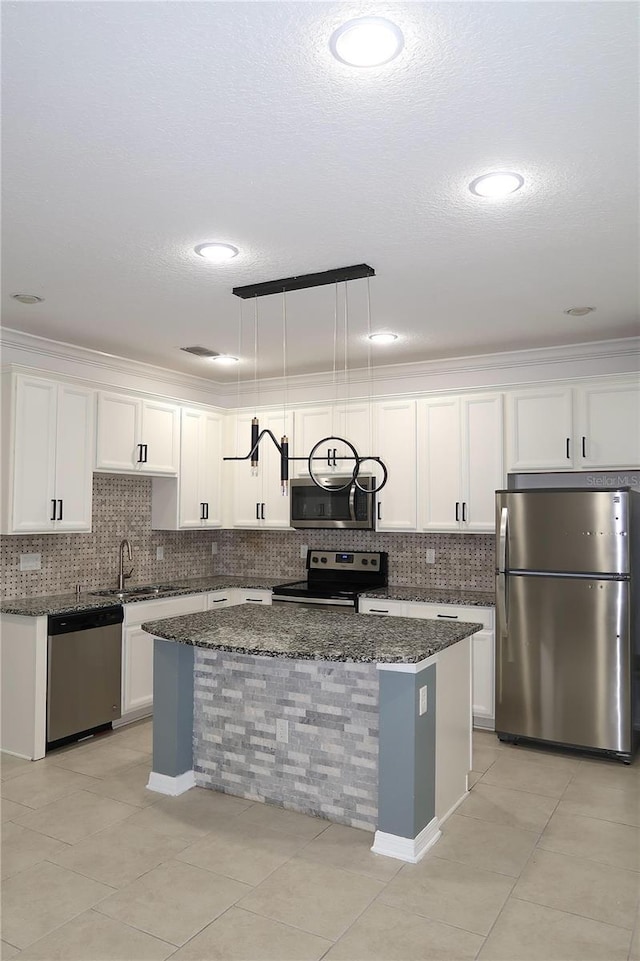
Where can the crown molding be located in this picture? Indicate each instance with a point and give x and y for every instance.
(473, 372)
(29, 350)
(505, 369)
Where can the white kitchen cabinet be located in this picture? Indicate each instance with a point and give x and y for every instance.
(48, 473)
(219, 599)
(483, 643)
(563, 428)
(137, 436)
(461, 463)
(353, 422)
(256, 499)
(607, 420)
(194, 498)
(395, 441)
(137, 648)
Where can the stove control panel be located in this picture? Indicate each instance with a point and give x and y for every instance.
(345, 560)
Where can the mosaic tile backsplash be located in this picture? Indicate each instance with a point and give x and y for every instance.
(122, 508)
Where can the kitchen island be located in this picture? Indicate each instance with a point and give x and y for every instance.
(363, 721)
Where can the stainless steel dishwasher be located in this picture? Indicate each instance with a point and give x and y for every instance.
(84, 672)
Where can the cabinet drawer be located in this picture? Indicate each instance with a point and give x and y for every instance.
(254, 597)
(451, 612)
(164, 607)
(219, 599)
(381, 607)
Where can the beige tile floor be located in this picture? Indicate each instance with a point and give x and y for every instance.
(540, 863)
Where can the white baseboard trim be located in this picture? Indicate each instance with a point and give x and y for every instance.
(484, 723)
(173, 786)
(452, 808)
(132, 716)
(407, 849)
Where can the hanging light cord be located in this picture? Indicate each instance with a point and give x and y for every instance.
(284, 361)
(369, 371)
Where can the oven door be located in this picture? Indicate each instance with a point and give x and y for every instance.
(325, 507)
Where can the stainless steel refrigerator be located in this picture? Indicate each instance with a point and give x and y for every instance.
(567, 647)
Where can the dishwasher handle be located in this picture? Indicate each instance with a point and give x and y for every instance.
(84, 620)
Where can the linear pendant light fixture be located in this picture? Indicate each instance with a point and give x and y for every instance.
(283, 286)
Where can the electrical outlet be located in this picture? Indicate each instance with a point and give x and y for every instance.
(214, 547)
(423, 700)
(282, 730)
(430, 556)
(159, 553)
(30, 562)
(303, 551)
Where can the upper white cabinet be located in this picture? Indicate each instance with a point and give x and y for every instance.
(352, 422)
(608, 426)
(194, 498)
(49, 429)
(461, 463)
(256, 497)
(395, 440)
(137, 436)
(576, 428)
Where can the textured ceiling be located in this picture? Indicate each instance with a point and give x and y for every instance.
(134, 131)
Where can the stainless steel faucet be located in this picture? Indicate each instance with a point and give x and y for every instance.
(121, 574)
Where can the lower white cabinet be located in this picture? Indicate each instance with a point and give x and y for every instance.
(137, 648)
(483, 643)
(137, 645)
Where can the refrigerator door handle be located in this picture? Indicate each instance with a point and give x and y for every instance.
(502, 539)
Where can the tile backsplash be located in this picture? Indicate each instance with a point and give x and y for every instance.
(122, 508)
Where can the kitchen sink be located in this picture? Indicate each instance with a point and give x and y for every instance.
(148, 590)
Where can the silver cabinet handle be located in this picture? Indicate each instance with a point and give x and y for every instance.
(257, 510)
(448, 617)
(254, 600)
(53, 509)
(59, 510)
(464, 511)
(584, 446)
(457, 510)
(219, 600)
(378, 610)
(262, 512)
(568, 448)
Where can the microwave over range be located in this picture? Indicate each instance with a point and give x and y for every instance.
(337, 503)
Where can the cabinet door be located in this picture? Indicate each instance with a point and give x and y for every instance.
(441, 464)
(210, 471)
(160, 433)
(482, 470)
(190, 495)
(137, 666)
(355, 422)
(276, 505)
(246, 486)
(34, 455)
(312, 425)
(608, 426)
(483, 678)
(118, 432)
(74, 458)
(540, 430)
(395, 443)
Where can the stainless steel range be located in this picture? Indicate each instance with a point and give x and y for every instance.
(335, 579)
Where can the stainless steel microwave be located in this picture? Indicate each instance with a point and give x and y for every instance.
(326, 507)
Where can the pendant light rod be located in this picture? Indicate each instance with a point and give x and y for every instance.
(301, 281)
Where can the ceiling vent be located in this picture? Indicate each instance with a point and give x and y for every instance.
(201, 351)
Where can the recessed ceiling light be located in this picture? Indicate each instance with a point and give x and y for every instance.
(366, 42)
(217, 253)
(579, 311)
(382, 338)
(498, 184)
(225, 359)
(27, 298)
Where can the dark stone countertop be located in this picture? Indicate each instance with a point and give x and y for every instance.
(308, 634)
(434, 595)
(69, 603)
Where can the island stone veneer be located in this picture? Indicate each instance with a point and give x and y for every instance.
(328, 766)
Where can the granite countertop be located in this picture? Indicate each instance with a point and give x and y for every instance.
(68, 603)
(434, 595)
(288, 631)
